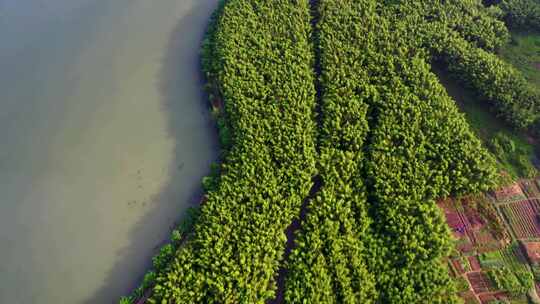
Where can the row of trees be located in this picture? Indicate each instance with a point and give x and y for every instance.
(463, 35)
(522, 15)
(259, 57)
(468, 19)
(494, 80)
(329, 264)
(421, 149)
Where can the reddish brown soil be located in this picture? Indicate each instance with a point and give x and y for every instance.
(457, 266)
(532, 249)
(480, 282)
(508, 192)
(475, 264)
(491, 297)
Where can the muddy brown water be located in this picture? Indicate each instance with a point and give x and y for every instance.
(105, 136)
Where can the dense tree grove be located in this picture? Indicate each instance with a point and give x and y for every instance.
(405, 139)
(421, 149)
(329, 264)
(386, 140)
(262, 61)
(468, 19)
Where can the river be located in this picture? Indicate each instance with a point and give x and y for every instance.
(105, 136)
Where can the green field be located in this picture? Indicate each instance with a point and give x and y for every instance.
(523, 52)
(516, 159)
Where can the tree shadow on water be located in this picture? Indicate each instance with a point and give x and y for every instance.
(195, 146)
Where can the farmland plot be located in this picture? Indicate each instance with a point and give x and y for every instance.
(472, 229)
(523, 217)
(480, 282)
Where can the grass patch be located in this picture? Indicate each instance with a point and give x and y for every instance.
(523, 52)
(514, 151)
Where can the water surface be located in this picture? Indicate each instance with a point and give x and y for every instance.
(104, 137)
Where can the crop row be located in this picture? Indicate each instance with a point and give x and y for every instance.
(259, 58)
(509, 194)
(511, 272)
(480, 282)
(475, 263)
(523, 218)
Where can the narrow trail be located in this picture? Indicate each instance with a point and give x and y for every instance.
(291, 233)
(296, 224)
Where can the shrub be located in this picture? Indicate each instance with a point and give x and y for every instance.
(501, 144)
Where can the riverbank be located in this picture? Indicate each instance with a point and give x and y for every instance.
(105, 142)
(181, 232)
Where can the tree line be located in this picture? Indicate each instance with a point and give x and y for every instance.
(259, 57)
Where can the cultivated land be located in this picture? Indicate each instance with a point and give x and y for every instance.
(497, 234)
(497, 243)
